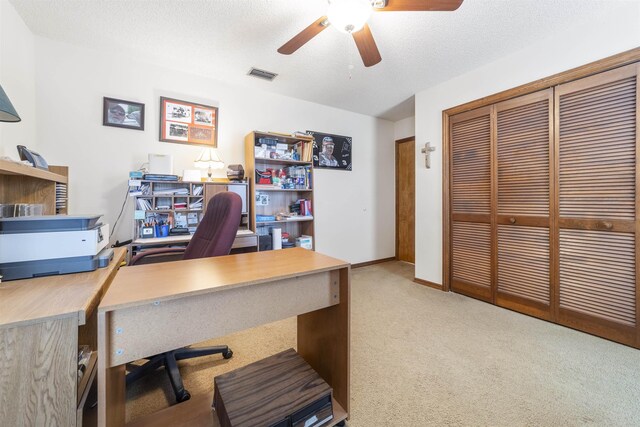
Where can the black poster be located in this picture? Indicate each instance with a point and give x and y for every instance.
(331, 151)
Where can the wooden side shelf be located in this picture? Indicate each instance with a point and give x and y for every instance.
(197, 412)
(87, 378)
(11, 168)
(25, 184)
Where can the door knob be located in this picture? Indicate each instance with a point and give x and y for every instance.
(607, 225)
(512, 220)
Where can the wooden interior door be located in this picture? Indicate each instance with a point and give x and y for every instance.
(524, 134)
(597, 138)
(405, 199)
(471, 228)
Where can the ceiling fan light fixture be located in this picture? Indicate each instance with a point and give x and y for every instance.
(349, 16)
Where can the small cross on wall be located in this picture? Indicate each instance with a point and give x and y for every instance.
(427, 150)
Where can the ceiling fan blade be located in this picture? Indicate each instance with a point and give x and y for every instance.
(419, 5)
(367, 46)
(304, 36)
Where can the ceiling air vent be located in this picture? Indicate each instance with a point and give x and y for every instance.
(262, 74)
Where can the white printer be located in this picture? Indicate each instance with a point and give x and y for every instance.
(54, 244)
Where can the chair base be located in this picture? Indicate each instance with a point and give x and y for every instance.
(169, 361)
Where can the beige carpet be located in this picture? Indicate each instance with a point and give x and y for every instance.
(424, 357)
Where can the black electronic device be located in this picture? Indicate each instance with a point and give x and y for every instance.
(31, 156)
(179, 231)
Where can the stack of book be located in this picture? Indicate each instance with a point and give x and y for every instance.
(196, 205)
(144, 205)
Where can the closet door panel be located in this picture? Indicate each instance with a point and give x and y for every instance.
(471, 258)
(523, 137)
(597, 273)
(523, 268)
(471, 160)
(597, 136)
(523, 155)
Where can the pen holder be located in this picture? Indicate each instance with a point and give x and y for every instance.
(162, 230)
(146, 232)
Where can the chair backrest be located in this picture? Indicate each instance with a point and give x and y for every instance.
(217, 230)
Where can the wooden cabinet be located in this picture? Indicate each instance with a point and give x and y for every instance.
(269, 199)
(543, 204)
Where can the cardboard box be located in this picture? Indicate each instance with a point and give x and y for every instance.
(305, 242)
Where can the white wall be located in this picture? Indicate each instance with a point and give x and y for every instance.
(404, 128)
(609, 34)
(17, 77)
(353, 209)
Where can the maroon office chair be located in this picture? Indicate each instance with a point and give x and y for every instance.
(213, 237)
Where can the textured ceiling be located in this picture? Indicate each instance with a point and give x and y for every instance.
(222, 39)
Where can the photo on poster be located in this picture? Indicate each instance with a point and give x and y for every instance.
(178, 131)
(203, 117)
(331, 151)
(200, 133)
(178, 112)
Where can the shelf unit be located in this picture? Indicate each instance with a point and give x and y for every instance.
(279, 198)
(158, 203)
(195, 192)
(25, 184)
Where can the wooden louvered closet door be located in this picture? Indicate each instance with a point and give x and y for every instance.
(471, 257)
(597, 136)
(524, 135)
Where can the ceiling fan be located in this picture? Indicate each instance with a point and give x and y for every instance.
(350, 16)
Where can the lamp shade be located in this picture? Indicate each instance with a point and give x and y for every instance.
(7, 112)
(209, 159)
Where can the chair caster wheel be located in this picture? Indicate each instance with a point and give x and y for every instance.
(341, 423)
(227, 354)
(184, 396)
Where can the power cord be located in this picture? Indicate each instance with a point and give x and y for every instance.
(126, 197)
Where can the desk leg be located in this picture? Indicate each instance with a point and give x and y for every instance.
(111, 380)
(323, 341)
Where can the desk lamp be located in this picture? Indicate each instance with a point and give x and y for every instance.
(209, 160)
(7, 112)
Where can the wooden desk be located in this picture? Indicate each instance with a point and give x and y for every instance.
(154, 308)
(42, 321)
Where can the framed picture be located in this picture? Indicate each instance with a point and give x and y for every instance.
(331, 151)
(123, 114)
(188, 123)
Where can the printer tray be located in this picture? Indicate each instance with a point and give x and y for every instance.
(52, 267)
(48, 223)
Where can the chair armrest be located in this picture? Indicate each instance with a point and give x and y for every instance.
(155, 252)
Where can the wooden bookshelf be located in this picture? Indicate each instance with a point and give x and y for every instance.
(25, 184)
(11, 168)
(280, 197)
